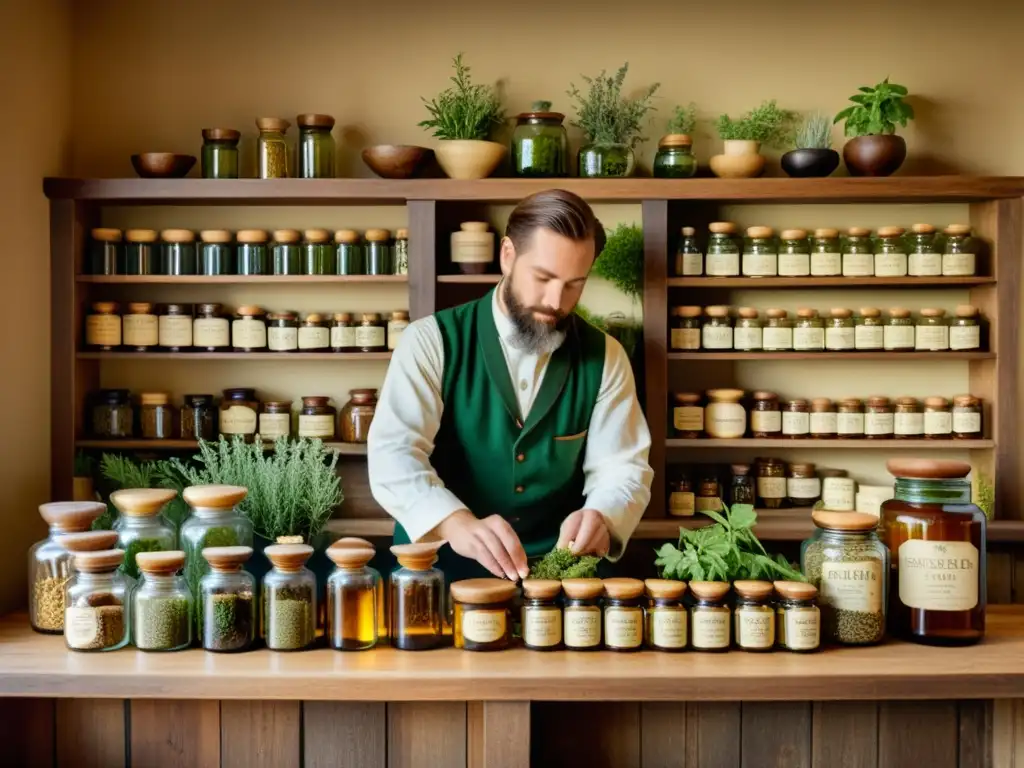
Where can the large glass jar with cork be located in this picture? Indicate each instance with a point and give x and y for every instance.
(161, 603)
(717, 333)
(760, 253)
(965, 329)
(689, 260)
(858, 253)
(482, 614)
(924, 259)
(352, 593)
(723, 256)
(141, 526)
(686, 328)
(227, 600)
(931, 332)
(890, 253)
(959, 258)
(777, 331)
(416, 598)
(289, 598)
(97, 611)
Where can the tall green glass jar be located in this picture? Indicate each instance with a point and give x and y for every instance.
(141, 252)
(252, 255)
(959, 255)
(285, 252)
(220, 153)
(317, 253)
(316, 146)
(349, 253)
(178, 252)
(723, 256)
(216, 256)
(378, 252)
(540, 147)
(674, 159)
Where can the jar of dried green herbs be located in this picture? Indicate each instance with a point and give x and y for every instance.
(220, 153)
(959, 257)
(199, 418)
(157, 416)
(898, 332)
(890, 253)
(96, 600)
(868, 330)
(858, 253)
(689, 260)
(840, 334)
(931, 332)
(141, 526)
(161, 603)
(723, 256)
(826, 257)
(964, 329)
(924, 259)
(794, 253)
(289, 598)
(228, 597)
(112, 414)
(809, 331)
(285, 253)
(747, 336)
(316, 146)
(777, 333)
(760, 253)
(400, 261)
(271, 148)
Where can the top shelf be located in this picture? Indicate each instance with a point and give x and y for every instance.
(398, 192)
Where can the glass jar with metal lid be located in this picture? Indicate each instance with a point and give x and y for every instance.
(282, 332)
(723, 256)
(220, 153)
(760, 253)
(797, 618)
(747, 334)
(710, 616)
(809, 331)
(924, 259)
(318, 256)
(742, 489)
(898, 333)
(157, 417)
(582, 608)
(725, 417)
(908, 419)
(689, 260)
(252, 256)
(103, 326)
(879, 419)
(275, 419)
(239, 412)
(96, 598)
(826, 257)
(400, 261)
(416, 596)
(754, 616)
(289, 596)
(717, 333)
(198, 418)
(965, 329)
(890, 253)
(931, 332)
(765, 416)
(794, 253)
(803, 486)
(211, 332)
(771, 483)
(858, 253)
(623, 614)
(370, 335)
(141, 327)
(112, 414)
(378, 252)
(868, 331)
(959, 256)
(665, 615)
(840, 334)
(482, 614)
(316, 146)
(850, 419)
(285, 252)
(141, 252)
(796, 419)
(688, 415)
(106, 252)
(397, 324)
(343, 333)
(349, 256)
(216, 254)
(822, 422)
(540, 146)
(777, 333)
(174, 327)
(686, 328)
(674, 158)
(314, 334)
(838, 491)
(967, 412)
(938, 418)
(318, 418)
(542, 615)
(177, 252)
(162, 605)
(249, 329)
(272, 148)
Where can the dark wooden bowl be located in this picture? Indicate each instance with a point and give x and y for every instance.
(396, 161)
(162, 165)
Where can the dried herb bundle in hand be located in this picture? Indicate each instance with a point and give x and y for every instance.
(563, 564)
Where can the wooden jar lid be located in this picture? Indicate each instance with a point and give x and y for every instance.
(890, 231)
(227, 558)
(483, 591)
(747, 312)
(623, 589)
(286, 235)
(923, 229)
(418, 557)
(676, 140)
(317, 235)
(377, 235)
(221, 236)
(313, 120)
(583, 589)
(272, 124)
(214, 496)
(346, 236)
(840, 312)
(141, 502)
(844, 521)
(717, 310)
(252, 236)
(928, 469)
(288, 557)
(475, 226)
(722, 228)
(796, 590)
(958, 229)
(858, 231)
(933, 312)
(709, 590)
(758, 232)
(752, 588)
(667, 589)
(140, 235)
(351, 541)
(71, 516)
(826, 232)
(793, 234)
(350, 557)
(89, 541)
(106, 235)
(402, 234)
(177, 235)
(160, 563)
(154, 398)
(221, 134)
(726, 395)
(806, 312)
(542, 589)
(99, 561)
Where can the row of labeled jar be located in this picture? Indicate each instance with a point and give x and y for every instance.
(314, 152)
(147, 327)
(725, 416)
(248, 252)
(892, 253)
(239, 413)
(715, 329)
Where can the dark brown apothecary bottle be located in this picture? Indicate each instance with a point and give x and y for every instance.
(357, 415)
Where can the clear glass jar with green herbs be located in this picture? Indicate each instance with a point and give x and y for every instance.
(689, 259)
(400, 260)
(252, 256)
(686, 328)
(794, 253)
(106, 252)
(777, 334)
(272, 148)
(140, 525)
(747, 335)
(868, 332)
(808, 331)
(965, 329)
(285, 252)
(717, 333)
(349, 256)
(289, 598)
(826, 256)
(216, 253)
(317, 254)
(378, 252)
(898, 333)
(161, 603)
(540, 145)
(760, 253)
(890, 253)
(723, 256)
(924, 258)
(931, 332)
(316, 146)
(177, 252)
(228, 597)
(840, 334)
(959, 257)
(674, 158)
(605, 161)
(858, 253)
(220, 153)
(141, 252)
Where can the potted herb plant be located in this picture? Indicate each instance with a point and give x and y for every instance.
(875, 149)
(765, 126)
(463, 116)
(813, 155)
(675, 159)
(611, 124)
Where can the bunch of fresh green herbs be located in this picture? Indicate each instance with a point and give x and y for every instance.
(767, 123)
(684, 120)
(563, 564)
(123, 472)
(876, 111)
(622, 260)
(465, 110)
(605, 115)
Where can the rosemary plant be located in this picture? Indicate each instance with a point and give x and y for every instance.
(683, 120)
(605, 115)
(815, 133)
(464, 110)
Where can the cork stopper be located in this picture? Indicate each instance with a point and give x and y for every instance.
(154, 398)
(906, 401)
(160, 563)
(878, 401)
(252, 236)
(850, 402)
(224, 559)
(667, 589)
(223, 497)
(794, 234)
(687, 311)
(687, 398)
(675, 140)
(858, 231)
(402, 234)
(317, 235)
(688, 231)
(353, 542)
(417, 557)
(928, 469)
(400, 314)
(105, 307)
(966, 401)
(826, 232)
(709, 590)
(796, 403)
(221, 236)
(760, 232)
(288, 557)
(958, 229)
(221, 134)
(313, 318)
(141, 502)
(795, 590)
(726, 395)
(542, 589)
(350, 558)
(89, 541)
(966, 310)
(474, 226)
(840, 313)
(583, 589)
(370, 317)
(717, 310)
(250, 310)
(933, 312)
(272, 124)
(756, 590)
(936, 402)
(748, 313)
(286, 235)
(623, 589)
(870, 312)
(899, 312)
(722, 228)
(346, 236)
(178, 236)
(483, 591)
(890, 231)
(821, 404)
(140, 308)
(923, 229)
(806, 313)
(140, 235)
(100, 561)
(776, 314)
(71, 516)
(377, 235)
(343, 317)
(313, 120)
(764, 395)
(844, 521)
(106, 235)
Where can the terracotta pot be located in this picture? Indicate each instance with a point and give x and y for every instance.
(740, 160)
(808, 163)
(879, 155)
(469, 158)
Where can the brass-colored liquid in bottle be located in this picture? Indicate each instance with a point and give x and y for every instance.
(415, 614)
(352, 617)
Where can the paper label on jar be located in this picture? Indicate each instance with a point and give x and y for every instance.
(890, 265)
(765, 421)
(898, 337)
(858, 265)
(725, 420)
(803, 487)
(908, 423)
(747, 338)
(314, 338)
(826, 264)
(958, 264)
(795, 423)
(879, 423)
(794, 264)
(238, 420)
(275, 425)
(939, 575)
(343, 337)
(483, 626)
(755, 628)
(938, 422)
(82, 628)
(965, 337)
(925, 264)
(175, 331)
(710, 628)
(869, 337)
(808, 339)
(705, 503)
(668, 627)
(840, 338)
(395, 328)
(623, 627)
(771, 487)
(583, 626)
(967, 423)
(693, 264)
(248, 334)
(850, 423)
(464, 252)
(211, 332)
(801, 628)
(837, 494)
(686, 338)
(688, 418)
(681, 504)
(760, 264)
(932, 337)
(370, 336)
(542, 627)
(282, 339)
(141, 330)
(316, 425)
(823, 423)
(723, 264)
(717, 337)
(777, 338)
(103, 331)
(855, 586)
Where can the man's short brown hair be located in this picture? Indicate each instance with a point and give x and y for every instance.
(560, 211)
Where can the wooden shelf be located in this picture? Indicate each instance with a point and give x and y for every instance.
(279, 356)
(796, 443)
(849, 356)
(470, 279)
(828, 282)
(238, 279)
(347, 449)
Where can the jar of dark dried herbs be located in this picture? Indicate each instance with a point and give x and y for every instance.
(932, 331)
(177, 252)
(540, 146)
(378, 252)
(96, 599)
(103, 326)
(965, 329)
(723, 256)
(285, 253)
(211, 332)
(840, 335)
(199, 418)
(249, 329)
(216, 253)
(741, 488)
(777, 334)
(754, 616)
(771, 483)
(400, 260)
(317, 254)
(908, 419)
(879, 419)
(794, 254)
(141, 525)
(797, 618)
(482, 614)
(275, 419)
(809, 331)
(686, 327)
(858, 253)
(938, 418)
(838, 491)
(747, 336)
(959, 256)
(158, 418)
(681, 498)
(796, 418)
(349, 256)
(765, 416)
(709, 493)
(397, 324)
(161, 603)
(317, 418)
(542, 615)
(967, 417)
(826, 256)
(665, 625)
(890, 253)
(688, 415)
(710, 616)
(220, 153)
(760, 253)
(352, 594)
(106, 252)
(803, 486)
(227, 594)
(898, 333)
(689, 259)
(289, 598)
(238, 412)
(850, 419)
(357, 415)
(316, 146)
(174, 327)
(370, 334)
(282, 332)
(924, 259)
(416, 596)
(141, 327)
(343, 333)
(112, 415)
(869, 330)
(141, 253)
(314, 335)
(822, 422)
(272, 148)
(252, 253)
(717, 333)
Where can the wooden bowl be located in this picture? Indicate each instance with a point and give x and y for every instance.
(395, 161)
(162, 165)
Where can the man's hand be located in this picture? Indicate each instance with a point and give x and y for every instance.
(491, 542)
(587, 532)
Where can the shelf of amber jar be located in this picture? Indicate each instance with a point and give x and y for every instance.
(851, 355)
(236, 279)
(885, 445)
(828, 282)
(234, 356)
(129, 444)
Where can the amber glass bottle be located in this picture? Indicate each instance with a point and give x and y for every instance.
(416, 597)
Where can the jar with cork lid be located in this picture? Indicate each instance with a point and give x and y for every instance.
(765, 416)
(252, 255)
(742, 489)
(723, 256)
(898, 333)
(103, 326)
(686, 328)
(931, 332)
(797, 618)
(106, 252)
(96, 600)
(472, 248)
(285, 253)
(725, 417)
(777, 332)
(908, 419)
(924, 259)
(850, 419)
(275, 419)
(542, 615)
(665, 615)
(760, 253)
(289, 598)
(216, 256)
(315, 146)
(747, 336)
(349, 255)
(967, 424)
(272, 148)
(378, 252)
(682, 501)
(717, 333)
(869, 330)
(352, 592)
(397, 324)
(890, 253)
(754, 616)
(141, 252)
(220, 153)
(314, 334)
(211, 331)
(687, 415)
(239, 412)
(174, 327)
(826, 257)
(858, 253)
(161, 603)
(938, 418)
(582, 608)
(417, 594)
(249, 329)
(796, 418)
(157, 416)
(794, 253)
(343, 333)
(803, 486)
(317, 418)
(141, 327)
(710, 616)
(840, 333)
(400, 260)
(227, 594)
(771, 483)
(282, 332)
(689, 260)
(370, 334)
(317, 253)
(623, 614)
(809, 331)
(965, 329)
(140, 525)
(879, 419)
(482, 614)
(838, 490)
(822, 421)
(959, 258)
(112, 414)
(177, 252)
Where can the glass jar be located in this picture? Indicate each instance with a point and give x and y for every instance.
(959, 258)
(822, 422)
(938, 418)
(689, 259)
(141, 254)
(605, 161)
(174, 327)
(272, 148)
(249, 329)
(282, 332)
(141, 526)
(317, 418)
(400, 259)
(879, 419)
(157, 417)
(285, 253)
(238, 413)
(794, 254)
(417, 593)
(112, 414)
(908, 419)
(777, 334)
(103, 327)
(890, 253)
(582, 606)
(724, 416)
(49, 561)
(161, 603)
(710, 616)
(370, 335)
(898, 333)
(318, 256)
(253, 256)
(357, 415)
(924, 259)
(106, 252)
(723, 257)
(937, 540)
(220, 153)
(199, 418)
(352, 599)
(741, 489)
(809, 331)
(869, 330)
(797, 619)
(965, 329)
(397, 323)
(688, 415)
(681, 498)
(803, 486)
(760, 253)
(858, 253)
(349, 256)
(796, 418)
(840, 335)
(754, 616)
(623, 614)
(227, 594)
(932, 331)
(747, 336)
(709, 494)
(826, 257)
(665, 615)
(316, 146)
(850, 419)
(717, 331)
(211, 332)
(314, 335)
(482, 614)
(838, 492)
(771, 483)
(674, 158)
(542, 615)
(540, 145)
(289, 598)
(686, 328)
(140, 327)
(967, 417)
(177, 252)
(96, 599)
(216, 255)
(765, 416)
(275, 419)
(343, 333)
(378, 252)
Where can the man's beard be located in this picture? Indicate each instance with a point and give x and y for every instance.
(533, 335)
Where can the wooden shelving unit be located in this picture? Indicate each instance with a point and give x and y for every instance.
(848, 356)
(241, 279)
(762, 283)
(346, 449)
(281, 357)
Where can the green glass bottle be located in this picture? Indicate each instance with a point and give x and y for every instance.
(540, 146)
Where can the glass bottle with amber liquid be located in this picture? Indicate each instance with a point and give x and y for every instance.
(417, 589)
(352, 599)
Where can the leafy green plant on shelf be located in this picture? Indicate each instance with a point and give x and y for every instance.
(768, 124)
(622, 260)
(606, 116)
(683, 120)
(626, 331)
(876, 111)
(120, 471)
(464, 110)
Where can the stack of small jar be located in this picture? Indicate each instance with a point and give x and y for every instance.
(146, 327)
(892, 252)
(314, 150)
(719, 328)
(176, 252)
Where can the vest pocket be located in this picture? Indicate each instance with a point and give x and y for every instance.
(571, 438)
(567, 452)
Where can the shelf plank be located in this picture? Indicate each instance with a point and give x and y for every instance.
(279, 356)
(828, 282)
(239, 279)
(849, 356)
(346, 449)
(470, 279)
(863, 444)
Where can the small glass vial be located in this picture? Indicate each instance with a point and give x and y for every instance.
(227, 593)
(252, 253)
(112, 414)
(272, 148)
(688, 415)
(249, 329)
(796, 419)
(378, 252)
(908, 419)
(771, 483)
(890, 253)
(838, 492)
(723, 256)
(959, 258)
(211, 332)
(349, 256)
(826, 257)
(898, 333)
(318, 256)
(97, 605)
(717, 332)
(747, 336)
(103, 327)
(879, 419)
(158, 418)
(809, 332)
(370, 334)
(316, 146)
(742, 489)
(275, 419)
(220, 153)
(964, 329)
(216, 254)
(686, 328)
(317, 418)
(198, 418)
(282, 332)
(850, 419)
(797, 618)
(177, 252)
(417, 592)
(582, 620)
(760, 253)
(803, 486)
(482, 614)
(665, 615)
(869, 330)
(823, 422)
(931, 333)
(794, 253)
(239, 411)
(314, 334)
(141, 327)
(343, 333)
(106, 252)
(924, 259)
(765, 416)
(141, 252)
(754, 617)
(858, 253)
(938, 418)
(161, 603)
(689, 260)
(967, 417)
(174, 327)
(777, 333)
(724, 416)
(840, 333)
(352, 592)
(710, 616)
(140, 525)
(681, 498)
(623, 614)
(542, 615)
(400, 262)
(289, 598)
(285, 253)
(397, 323)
